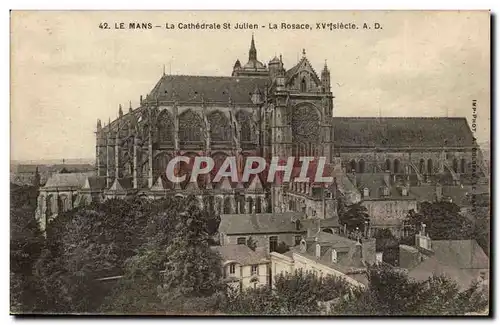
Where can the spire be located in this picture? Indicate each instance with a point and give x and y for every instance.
(130, 106)
(325, 70)
(304, 52)
(120, 110)
(36, 180)
(252, 54)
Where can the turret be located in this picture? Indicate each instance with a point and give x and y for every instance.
(274, 67)
(36, 180)
(325, 79)
(236, 67)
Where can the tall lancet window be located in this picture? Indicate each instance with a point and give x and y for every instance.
(303, 85)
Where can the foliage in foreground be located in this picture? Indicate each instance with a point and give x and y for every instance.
(162, 250)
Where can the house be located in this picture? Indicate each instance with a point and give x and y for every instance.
(242, 267)
(461, 260)
(266, 229)
(328, 254)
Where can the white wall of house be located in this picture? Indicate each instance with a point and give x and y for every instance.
(244, 274)
(281, 263)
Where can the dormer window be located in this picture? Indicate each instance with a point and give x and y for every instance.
(366, 192)
(386, 191)
(334, 256)
(318, 250)
(303, 245)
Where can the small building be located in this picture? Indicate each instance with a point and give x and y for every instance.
(244, 268)
(59, 194)
(328, 254)
(461, 260)
(267, 229)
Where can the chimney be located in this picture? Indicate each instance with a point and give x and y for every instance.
(422, 240)
(357, 255)
(334, 256)
(303, 246)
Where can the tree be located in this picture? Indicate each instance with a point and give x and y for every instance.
(93, 242)
(391, 292)
(191, 267)
(251, 243)
(355, 216)
(442, 219)
(282, 248)
(386, 243)
(26, 245)
(299, 292)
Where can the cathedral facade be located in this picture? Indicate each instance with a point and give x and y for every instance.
(264, 110)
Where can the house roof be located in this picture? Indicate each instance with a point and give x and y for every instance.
(211, 89)
(241, 254)
(461, 260)
(259, 223)
(401, 132)
(74, 180)
(332, 240)
(357, 273)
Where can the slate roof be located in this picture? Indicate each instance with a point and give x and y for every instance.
(328, 222)
(74, 180)
(259, 223)
(241, 254)
(461, 260)
(357, 273)
(95, 182)
(122, 184)
(333, 240)
(211, 89)
(401, 132)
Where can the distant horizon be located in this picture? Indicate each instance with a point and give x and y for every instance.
(53, 161)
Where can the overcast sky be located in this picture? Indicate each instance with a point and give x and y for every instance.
(67, 73)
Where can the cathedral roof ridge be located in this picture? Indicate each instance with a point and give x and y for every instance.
(401, 117)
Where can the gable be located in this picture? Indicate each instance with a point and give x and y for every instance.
(303, 70)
